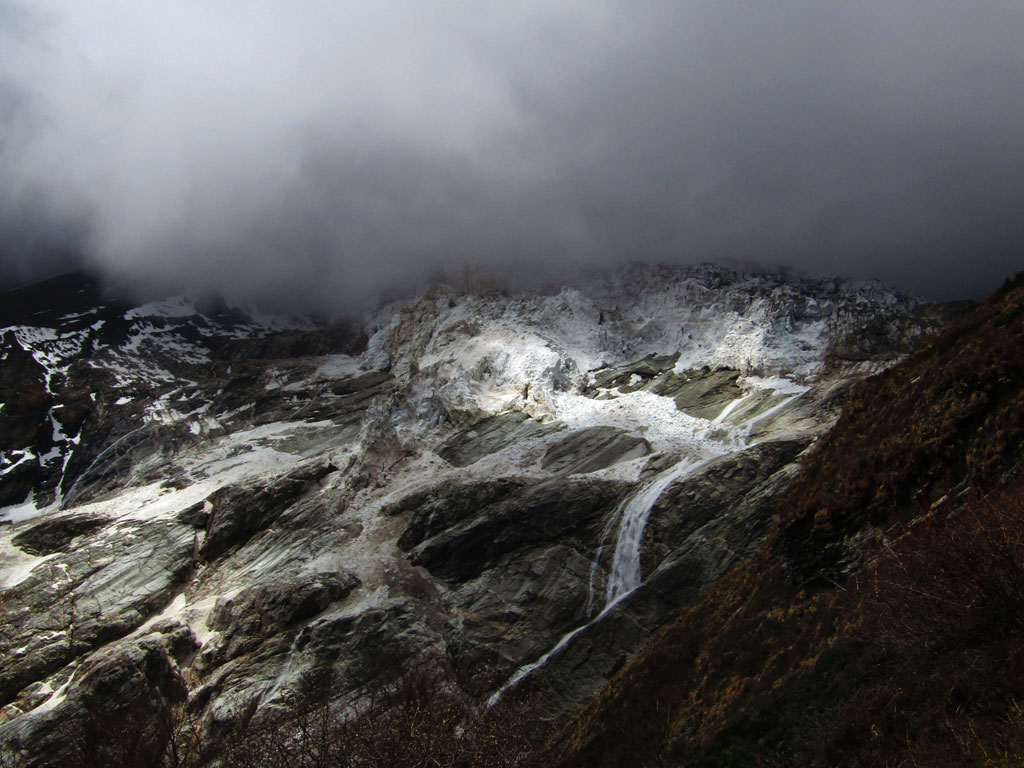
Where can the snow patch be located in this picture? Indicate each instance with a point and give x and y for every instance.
(27, 510)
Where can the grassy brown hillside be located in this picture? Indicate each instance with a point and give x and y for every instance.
(949, 417)
(918, 658)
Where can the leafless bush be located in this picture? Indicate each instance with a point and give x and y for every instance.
(956, 576)
(412, 719)
(12, 755)
(407, 718)
(974, 742)
(141, 735)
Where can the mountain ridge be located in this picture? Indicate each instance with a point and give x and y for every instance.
(884, 623)
(455, 481)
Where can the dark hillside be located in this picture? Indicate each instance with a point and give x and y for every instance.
(949, 417)
(881, 624)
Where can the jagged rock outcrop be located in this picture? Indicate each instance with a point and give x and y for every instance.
(291, 502)
(116, 704)
(592, 449)
(237, 512)
(440, 507)
(699, 527)
(267, 608)
(548, 511)
(490, 435)
(702, 393)
(25, 431)
(56, 534)
(76, 601)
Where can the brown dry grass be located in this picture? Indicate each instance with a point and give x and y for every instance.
(917, 662)
(950, 415)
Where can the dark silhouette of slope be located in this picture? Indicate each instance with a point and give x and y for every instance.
(950, 416)
(880, 624)
(43, 303)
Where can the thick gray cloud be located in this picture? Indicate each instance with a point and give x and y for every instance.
(325, 152)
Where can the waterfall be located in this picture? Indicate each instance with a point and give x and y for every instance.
(286, 672)
(625, 574)
(731, 406)
(770, 412)
(70, 496)
(526, 670)
(632, 517)
(595, 565)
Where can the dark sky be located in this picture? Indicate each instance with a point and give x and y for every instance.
(327, 151)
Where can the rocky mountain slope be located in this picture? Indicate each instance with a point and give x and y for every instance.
(201, 504)
(880, 622)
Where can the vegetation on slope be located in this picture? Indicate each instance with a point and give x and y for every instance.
(416, 718)
(918, 659)
(949, 417)
(880, 625)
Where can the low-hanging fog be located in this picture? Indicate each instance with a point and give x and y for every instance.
(325, 152)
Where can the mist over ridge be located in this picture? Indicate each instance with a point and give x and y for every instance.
(322, 156)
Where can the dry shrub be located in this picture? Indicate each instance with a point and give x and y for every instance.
(956, 576)
(12, 756)
(974, 742)
(941, 620)
(410, 718)
(413, 719)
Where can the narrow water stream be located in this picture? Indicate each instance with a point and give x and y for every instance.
(625, 573)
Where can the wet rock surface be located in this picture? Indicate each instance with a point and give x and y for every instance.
(723, 488)
(253, 507)
(514, 612)
(700, 530)
(590, 450)
(550, 511)
(77, 601)
(490, 435)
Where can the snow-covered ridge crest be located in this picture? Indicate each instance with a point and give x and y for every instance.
(74, 358)
(504, 350)
(462, 356)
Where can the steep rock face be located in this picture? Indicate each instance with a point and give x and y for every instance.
(490, 435)
(268, 608)
(25, 431)
(56, 534)
(886, 601)
(548, 511)
(701, 526)
(513, 613)
(237, 512)
(725, 485)
(463, 486)
(103, 379)
(442, 506)
(76, 601)
(134, 684)
(701, 393)
(590, 450)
